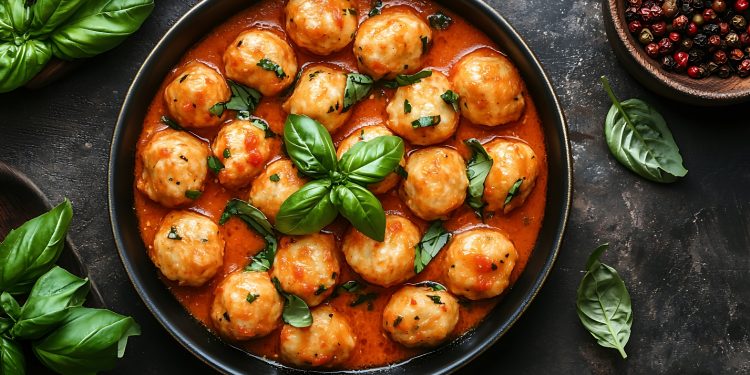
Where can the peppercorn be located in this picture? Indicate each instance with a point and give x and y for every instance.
(724, 71)
(686, 9)
(665, 46)
(635, 26)
(634, 3)
(669, 8)
(714, 42)
(680, 23)
(741, 5)
(720, 57)
(686, 44)
(681, 61)
(736, 54)
(723, 28)
(695, 56)
(698, 19)
(743, 69)
(739, 23)
(631, 14)
(695, 72)
(674, 37)
(711, 29)
(652, 50)
(745, 39)
(733, 40)
(646, 37)
(668, 63)
(709, 15)
(719, 6)
(700, 40)
(711, 68)
(692, 29)
(659, 28)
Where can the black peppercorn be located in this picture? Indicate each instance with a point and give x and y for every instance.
(686, 9)
(700, 40)
(631, 14)
(724, 71)
(695, 56)
(711, 29)
(686, 44)
(720, 57)
(668, 63)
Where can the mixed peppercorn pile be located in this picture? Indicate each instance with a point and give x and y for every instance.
(697, 37)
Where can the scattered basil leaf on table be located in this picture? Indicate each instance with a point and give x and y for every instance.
(477, 169)
(361, 208)
(49, 14)
(12, 361)
(307, 210)
(296, 313)
(309, 145)
(87, 341)
(20, 63)
(269, 65)
(603, 304)
(257, 221)
(357, 88)
(370, 162)
(432, 242)
(406, 79)
(639, 139)
(439, 20)
(33, 248)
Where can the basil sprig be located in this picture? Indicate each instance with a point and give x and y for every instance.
(357, 88)
(432, 242)
(337, 186)
(257, 221)
(604, 305)
(296, 313)
(477, 170)
(639, 139)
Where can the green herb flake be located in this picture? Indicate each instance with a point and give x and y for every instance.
(271, 66)
(350, 11)
(435, 286)
(314, 74)
(433, 240)
(257, 221)
(397, 321)
(351, 286)
(173, 235)
(401, 172)
(184, 77)
(214, 164)
(407, 106)
(193, 194)
(244, 100)
(425, 44)
(377, 7)
(513, 191)
(362, 135)
(439, 20)
(451, 98)
(251, 297)
(425, 121)
(358, 86)
(435, 299)
(477, 169)
(227, 154)
(406, 80)
(321, 289)
(362, 298)
(171, 123)
(217, 109)
(263, 125)
(274, 177)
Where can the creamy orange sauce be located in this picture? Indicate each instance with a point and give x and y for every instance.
(373, 345)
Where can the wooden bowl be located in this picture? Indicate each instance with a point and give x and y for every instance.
(709, 91)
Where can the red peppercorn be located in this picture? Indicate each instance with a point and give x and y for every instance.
(720, 57)
(674, 37)
(736, 54)
(723, 28)
(681, 60)
(743, 69)
(719, 6)
(745, 39)
(652, 50)
(709, 15)
(694, 72)
(665, 46)
(659, 28)
(680, 23)
(635, 26)
(714, 41)
(741, 5)
(692, 29)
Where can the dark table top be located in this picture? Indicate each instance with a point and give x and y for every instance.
(683, 249)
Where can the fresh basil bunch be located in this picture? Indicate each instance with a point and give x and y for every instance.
(32, 31)
(337, 186)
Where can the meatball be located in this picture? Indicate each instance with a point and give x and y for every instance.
(384, 263)
(329, 341)
(363, 135)
(188, 248)
(479, 263)
(272, 187)
(418, 316)
(490, 88)
(246, 305)
(422, 99)
(243, 149)
(392, 43)
(307, 267)
(193, 92)
(174, 167)
(320, 95)
(321, 26)
(262, 60)
(436, 182)
(513, 162)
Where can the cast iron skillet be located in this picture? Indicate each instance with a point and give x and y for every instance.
(225, 358)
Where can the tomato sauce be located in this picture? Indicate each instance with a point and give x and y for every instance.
(373, 348)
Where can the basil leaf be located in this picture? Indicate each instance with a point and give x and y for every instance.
(401, 172)
(368, 162)
(425, 121)
(244, 99)
(263, 125)
(5, 324)
(352, 286)
(87, 341)
(603, 304)
(513, 191)
(451, 98)
(218, 109)
(10, 306)
(214, 164)
(639, 139)
(357, 88)
(377, 7)
(51, 297)
(406, 80)
(20, 63)
(171, 123)
(309, 145)
(435, 286)
(12, 361)
(33, 248)
(407, 106)
(6, 22)
(98, 26)
(432, 242)
(361, 208)
(296, 313)
(193, 194)
(308, 210)
(49, 14)
(477, 169)
(362, 298)
(269, 65)
(439, 20)
(257, 221)
(18, 15)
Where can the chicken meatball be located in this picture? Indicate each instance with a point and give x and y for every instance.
(262, 60)
(243, 149)
(436, 182)
(174, 167)
(193, 92)
(365, 134)
(479, 263)
(188, 248)
(392, 43)
(513, 162)
(272, 187)
(320, 95)
(321, 26)
(307, 267)
(490, 88)
(423, 100)
(419, 316)
(246, 305)
(328, 342)
(384, 263)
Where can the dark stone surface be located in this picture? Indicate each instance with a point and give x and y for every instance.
(682, 249)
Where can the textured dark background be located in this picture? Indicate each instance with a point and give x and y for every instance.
(683, 249)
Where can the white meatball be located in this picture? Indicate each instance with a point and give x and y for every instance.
(262, 60)
(174, 167)
(320, 95)
(423, 99)
(365, 134)
(307, 267)
(392, 43)
(479, 263)
(321, 26)
(418, 316)
(512, 161)
(384, 263)
(188, 248)
(436, 182)
(328, 342)
(272, 187)
(246, 305)
(193, 92)
(490, 87)
(243, 149)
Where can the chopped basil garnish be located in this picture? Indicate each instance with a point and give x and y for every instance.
(425, 121)
(217, 109)
(171, 123)
(401, 171)
(357, 88)
(397, 321)
(243, 98)
(362, 298)
(407, 106)
(436, 299)
(351, 286)
(406, 80)
(269, 65)
(227, 154)
(350, 11)
(377, 6)
(425, 44)
(215, 164)
(193, 194)
(435, 286)
(251, 297)
(257, 221)
(296, 313)
(263, 125)
(274, 177)
(513, 191)
(184, 77)
(433, 240)
(314, 74)
(477, 170)
(321, 289)
(439, 20)
(451, 98)
(172, 235)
